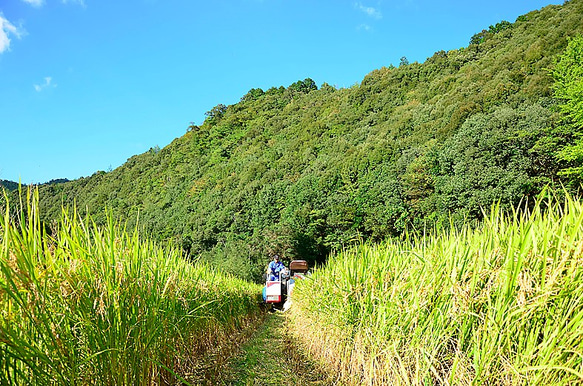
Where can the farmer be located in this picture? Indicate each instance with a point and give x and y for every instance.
(275, 267)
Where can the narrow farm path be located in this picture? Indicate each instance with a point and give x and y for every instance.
(271, 358)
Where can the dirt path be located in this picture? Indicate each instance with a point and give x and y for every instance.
(270, 358)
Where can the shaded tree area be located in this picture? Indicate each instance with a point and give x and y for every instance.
(9, 185)
(302, 170)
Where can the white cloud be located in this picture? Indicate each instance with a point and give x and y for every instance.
(34, 3)
(370, 11)
(365, 27)
(7, 29)
(47, 83)
(80, 2)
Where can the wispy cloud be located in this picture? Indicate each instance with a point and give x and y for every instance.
(47, 83)
(79, 2)
(369, 11)
(364, 27)
(34, 3)
(7, 30)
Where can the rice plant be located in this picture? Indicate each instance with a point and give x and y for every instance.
(498, 305)
(89, 305)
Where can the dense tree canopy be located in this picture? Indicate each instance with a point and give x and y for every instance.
(568, 76)
(10, 185)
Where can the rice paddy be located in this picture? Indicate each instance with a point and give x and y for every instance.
(86, 305)
(498, 305)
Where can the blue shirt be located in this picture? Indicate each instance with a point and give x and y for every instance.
(276, 267)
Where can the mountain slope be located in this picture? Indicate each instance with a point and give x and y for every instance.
(10, 185)
(301, 170)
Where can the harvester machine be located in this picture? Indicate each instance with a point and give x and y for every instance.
(276, 292)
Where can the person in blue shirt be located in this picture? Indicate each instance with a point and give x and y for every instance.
(275, 267)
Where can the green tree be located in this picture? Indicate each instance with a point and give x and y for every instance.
(568, 87)
(253, 94)
(216, 113)
(304, 86)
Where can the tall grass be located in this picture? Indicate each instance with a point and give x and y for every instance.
(497, 305)
(101, 306)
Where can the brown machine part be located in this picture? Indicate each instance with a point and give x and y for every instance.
(300, 266)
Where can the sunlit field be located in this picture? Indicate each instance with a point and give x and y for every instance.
(89, 305)
(497, 305)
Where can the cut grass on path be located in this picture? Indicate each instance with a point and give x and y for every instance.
(270, 357)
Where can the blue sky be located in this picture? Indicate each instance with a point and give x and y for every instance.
(86, 84)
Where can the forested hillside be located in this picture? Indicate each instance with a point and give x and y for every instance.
(302, 170)
(10, 185)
